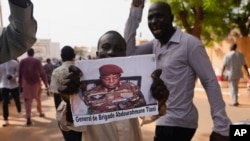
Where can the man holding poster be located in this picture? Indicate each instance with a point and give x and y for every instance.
(112, 44)
(114, 89)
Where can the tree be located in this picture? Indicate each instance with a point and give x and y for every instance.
(205, 19)
(240, 18)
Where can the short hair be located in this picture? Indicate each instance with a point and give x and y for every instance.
(233, 46)
(67, 53)
(114, 33)
(48, 60)
(31, 52)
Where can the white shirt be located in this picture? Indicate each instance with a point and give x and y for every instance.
(9, 68)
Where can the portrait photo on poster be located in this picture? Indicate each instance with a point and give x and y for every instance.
(114, 89)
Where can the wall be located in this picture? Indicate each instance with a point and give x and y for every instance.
(217, 52)
(44, 49)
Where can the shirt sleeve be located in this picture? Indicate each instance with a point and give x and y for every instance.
(19, 35)
(54, 82)
(131, 26)
(16, 70)
(145, 48)
(243, 60)
(202, 66)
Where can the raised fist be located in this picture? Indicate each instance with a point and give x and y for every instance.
(138, 3)
(159, 91)
(71, 83)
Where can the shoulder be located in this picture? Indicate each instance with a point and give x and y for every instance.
(37, 60)
(58, 69)
(30, 60)
(145, 48)
(186, 40)
(23, 61)
(240, 53)
(97, 91)
(98, 88)
(192, 41)
(13, 62)
(230, 54)
(51, 65)
(128, 86)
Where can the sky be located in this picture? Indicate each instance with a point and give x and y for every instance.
(81, 22)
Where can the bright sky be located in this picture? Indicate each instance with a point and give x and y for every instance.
(81, 22)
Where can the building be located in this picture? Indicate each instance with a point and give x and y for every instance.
(44, 49)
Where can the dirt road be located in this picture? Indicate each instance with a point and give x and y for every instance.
(45, 129)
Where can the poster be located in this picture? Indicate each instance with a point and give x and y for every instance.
(114, 89)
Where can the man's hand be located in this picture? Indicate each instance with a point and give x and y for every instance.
(9, 77)
(159, 91)
(217, 137)
(138, 3)
(72, 81)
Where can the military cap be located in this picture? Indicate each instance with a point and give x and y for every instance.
(110, 69)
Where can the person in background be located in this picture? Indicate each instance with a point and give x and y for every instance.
(9, 86)
(48, 68)
(68, 58)
(20, 34)
(182, 58)
(233, 62)
(31, 73)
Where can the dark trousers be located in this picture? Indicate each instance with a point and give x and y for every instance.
(68, 135)
(6, 97)
(173, 133)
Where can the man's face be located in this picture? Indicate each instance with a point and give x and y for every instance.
(159, 20)
(111, 45)
(110, 81)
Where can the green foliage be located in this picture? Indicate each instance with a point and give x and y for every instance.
(240, 17)
(209, 20)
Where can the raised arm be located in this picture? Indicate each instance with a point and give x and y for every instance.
(132, 24)
(20, 34)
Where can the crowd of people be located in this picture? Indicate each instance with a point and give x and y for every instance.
(180, 57)
(15, 39)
